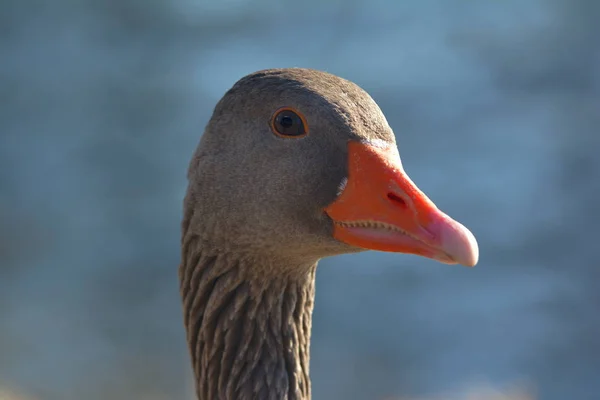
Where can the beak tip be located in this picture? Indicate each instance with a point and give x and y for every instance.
(460, 244)
(469, 251)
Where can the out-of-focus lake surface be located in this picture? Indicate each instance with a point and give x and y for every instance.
(496, 108)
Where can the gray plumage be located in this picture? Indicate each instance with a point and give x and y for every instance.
(254, 229)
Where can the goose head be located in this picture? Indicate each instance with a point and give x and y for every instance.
(298, 164)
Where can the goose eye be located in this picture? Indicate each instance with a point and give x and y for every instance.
(288, 123)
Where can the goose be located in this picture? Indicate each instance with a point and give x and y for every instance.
(293, 166)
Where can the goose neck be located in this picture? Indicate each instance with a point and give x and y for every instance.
(248, 325)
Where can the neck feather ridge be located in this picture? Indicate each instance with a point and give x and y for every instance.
(248, 324)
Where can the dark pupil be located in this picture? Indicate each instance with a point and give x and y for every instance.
(289, 123)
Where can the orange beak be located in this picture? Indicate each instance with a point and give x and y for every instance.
(380, 208)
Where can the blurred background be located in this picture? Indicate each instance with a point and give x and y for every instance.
(496, 107)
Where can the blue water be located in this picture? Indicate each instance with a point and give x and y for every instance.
(496, 107)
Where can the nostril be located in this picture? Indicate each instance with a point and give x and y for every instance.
(397, 199)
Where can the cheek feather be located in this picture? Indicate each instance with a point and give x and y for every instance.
(342, 186)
